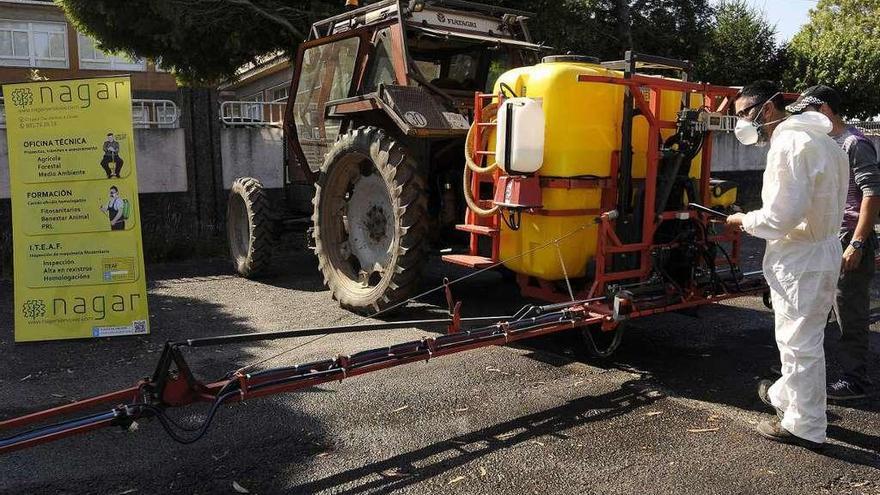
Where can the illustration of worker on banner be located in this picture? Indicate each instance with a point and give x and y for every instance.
(117, 209)
(77, 250)
(111, 155)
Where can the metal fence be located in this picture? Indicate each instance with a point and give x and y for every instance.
(162, 114)
(252, 113)
(145, 114)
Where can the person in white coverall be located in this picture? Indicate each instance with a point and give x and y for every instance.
(803, 196)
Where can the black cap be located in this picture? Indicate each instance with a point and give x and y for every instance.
(816, 96)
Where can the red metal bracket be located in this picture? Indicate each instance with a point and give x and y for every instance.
(454, 308)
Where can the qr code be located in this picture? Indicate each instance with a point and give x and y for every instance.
(139, 326)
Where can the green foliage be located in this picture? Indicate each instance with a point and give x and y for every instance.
(671, 28)
(202, 41)
(206, 40)
(741, 47)
(840, 47)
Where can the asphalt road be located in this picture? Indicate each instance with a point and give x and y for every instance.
(673, 412)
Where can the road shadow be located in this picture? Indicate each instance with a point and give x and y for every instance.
(297, 270)
(716, 355)
(244, 443)
(719, 358)
(294, 269)
(409, 468)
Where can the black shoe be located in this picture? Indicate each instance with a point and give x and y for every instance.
(764, 395)
(845, 389)
(773, 430)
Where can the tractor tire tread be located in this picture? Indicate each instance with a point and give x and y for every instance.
(262, 225)
(407, 190)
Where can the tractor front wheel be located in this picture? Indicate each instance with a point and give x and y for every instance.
(370, 221)
(250, 228)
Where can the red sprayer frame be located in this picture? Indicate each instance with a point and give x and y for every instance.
(715, 99)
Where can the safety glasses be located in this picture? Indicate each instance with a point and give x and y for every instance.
(745, 112)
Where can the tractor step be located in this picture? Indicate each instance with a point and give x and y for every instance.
(468, 260)
(477, 229)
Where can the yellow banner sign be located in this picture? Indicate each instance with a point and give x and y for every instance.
(78, 257)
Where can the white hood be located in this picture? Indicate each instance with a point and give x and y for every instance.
(807, 121)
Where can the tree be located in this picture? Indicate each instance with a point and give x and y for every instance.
(741, 47)
(671, 28)
(840, 47)
(607, 28)
(202, 41)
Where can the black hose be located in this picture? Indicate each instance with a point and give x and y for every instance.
(168, 424)
(57, 427)
(732, 268)
(504, 87)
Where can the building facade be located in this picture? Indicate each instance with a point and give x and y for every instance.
(265, 80)
(36, 35)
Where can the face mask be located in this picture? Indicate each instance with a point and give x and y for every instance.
(749, 132)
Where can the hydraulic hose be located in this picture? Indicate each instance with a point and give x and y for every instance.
(490, 113)
(471, 202)
(45, 431)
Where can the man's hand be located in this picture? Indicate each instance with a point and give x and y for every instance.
(736, 219)
(852, 257)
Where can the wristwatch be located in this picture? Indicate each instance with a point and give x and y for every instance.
(857, 244)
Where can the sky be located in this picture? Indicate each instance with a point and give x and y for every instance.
(788, 15)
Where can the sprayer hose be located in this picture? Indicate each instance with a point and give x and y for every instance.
(471, 202)
(471, 167)
(490, 113)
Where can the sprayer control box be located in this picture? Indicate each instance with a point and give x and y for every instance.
(714, 121)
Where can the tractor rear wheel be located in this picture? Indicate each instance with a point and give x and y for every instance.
(250, 227)
(370, 221)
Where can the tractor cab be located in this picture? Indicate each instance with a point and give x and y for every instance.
(411, 66)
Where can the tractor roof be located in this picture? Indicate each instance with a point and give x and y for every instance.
(457, 18)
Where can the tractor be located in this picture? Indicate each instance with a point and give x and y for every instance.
(382, 98)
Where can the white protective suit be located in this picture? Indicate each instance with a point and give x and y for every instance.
(803, 197)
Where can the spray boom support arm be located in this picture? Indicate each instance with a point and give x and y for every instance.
(173, 384)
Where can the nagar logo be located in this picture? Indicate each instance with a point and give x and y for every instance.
(441, 17)
(22, 97)
(33, 309)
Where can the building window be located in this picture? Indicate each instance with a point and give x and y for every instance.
(33, 44)
(91, 57)
(279, 93)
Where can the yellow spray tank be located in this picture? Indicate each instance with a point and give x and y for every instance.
(582, 134)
